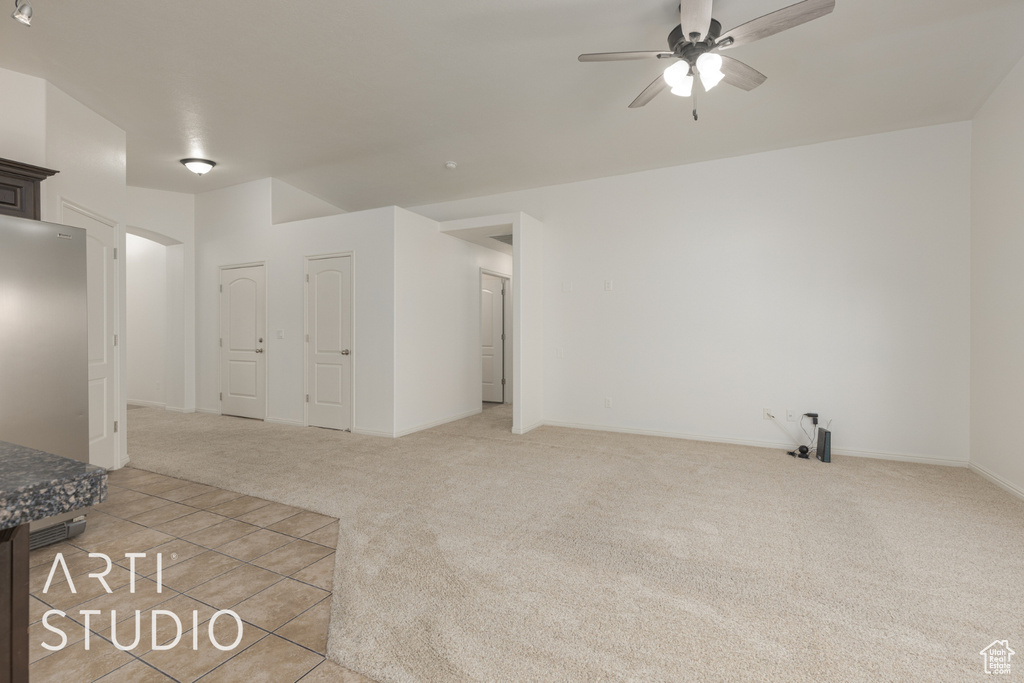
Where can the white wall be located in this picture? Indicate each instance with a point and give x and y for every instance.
(289, 203)
(830, 278)
(169, 219)
(146, 291)
(22, 118)
(997, 298)
(234, 226)
(528, 309)
(437, 322)
(89, 153)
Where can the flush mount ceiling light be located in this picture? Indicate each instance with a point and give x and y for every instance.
(199, 166)
(22, 12)
(451, 165)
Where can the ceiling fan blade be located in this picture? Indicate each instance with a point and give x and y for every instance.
(649, 93)
(740, 75)
(695, 17)
(776, 22)
(619, 56)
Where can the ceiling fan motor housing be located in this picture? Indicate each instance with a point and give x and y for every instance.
(682, 47)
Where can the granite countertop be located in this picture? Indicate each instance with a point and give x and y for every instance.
(35, 485)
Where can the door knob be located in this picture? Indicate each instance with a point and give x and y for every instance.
(259, 350)
(344, 352)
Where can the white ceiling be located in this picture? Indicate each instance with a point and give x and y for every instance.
(361, 103)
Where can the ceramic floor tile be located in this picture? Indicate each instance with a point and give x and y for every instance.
(136, 542)
(273, 607)
(183, 526)
(301, 524)
(199, 569)
(171, 553)
(309, 629)
(38, 635)
(163, 514)
(36, 609)
(186, 665)
(290, 558)
(327, 535)
(45, 555)
(271, 659)
(269, 514)
(259, 542)
(124, 602)
(220, 533)
(239, 506)
(230, 588)
(38, 575)
(329, 672)
(74, 663)
(126, 510)
(135, 671)
(157, 486)
(190, 490)
(211, 498)
(60, 596)
(103, 532)
(320, 573)
(167, 629)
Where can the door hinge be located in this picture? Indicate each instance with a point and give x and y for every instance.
(307, 398)
(502, 381)
(307, 277)
(115, 253)
(115, 340)
(502, 336)
(115, 426)
(220, 342)
(221, 287)
(307, 338)
(222, 395)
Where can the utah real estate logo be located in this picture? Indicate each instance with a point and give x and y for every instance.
(997, 657)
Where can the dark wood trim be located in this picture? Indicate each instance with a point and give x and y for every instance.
(25, 180)
(14, 604)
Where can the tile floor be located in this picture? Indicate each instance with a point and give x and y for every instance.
(270, 563)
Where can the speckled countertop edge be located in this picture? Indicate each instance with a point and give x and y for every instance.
(36, 485)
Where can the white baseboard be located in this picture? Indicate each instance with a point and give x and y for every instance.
(440, 422)
(285, 421)
(997, 480)
(372, 432)
(176, 409)
(148, 404)
(530, 428)
(207, 411)
(759, 444)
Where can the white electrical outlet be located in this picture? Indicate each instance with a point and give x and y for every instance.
(609, 285)
(791, 416)
(607, 402)
(767, 414)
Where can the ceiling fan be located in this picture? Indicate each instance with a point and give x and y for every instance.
(694, 46)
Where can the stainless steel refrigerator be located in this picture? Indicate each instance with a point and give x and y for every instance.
(44, 373)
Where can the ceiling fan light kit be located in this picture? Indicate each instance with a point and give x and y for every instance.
(695, 44)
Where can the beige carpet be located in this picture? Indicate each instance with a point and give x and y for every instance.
(469, 554)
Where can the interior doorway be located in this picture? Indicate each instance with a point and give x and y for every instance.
(495, 338)
(329, 342)
(243, 322)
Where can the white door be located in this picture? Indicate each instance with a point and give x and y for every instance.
(243, 363)
(492, 332)
(329, 337)
(101, 286)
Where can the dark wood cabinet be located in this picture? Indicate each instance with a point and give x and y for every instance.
(19, 188)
